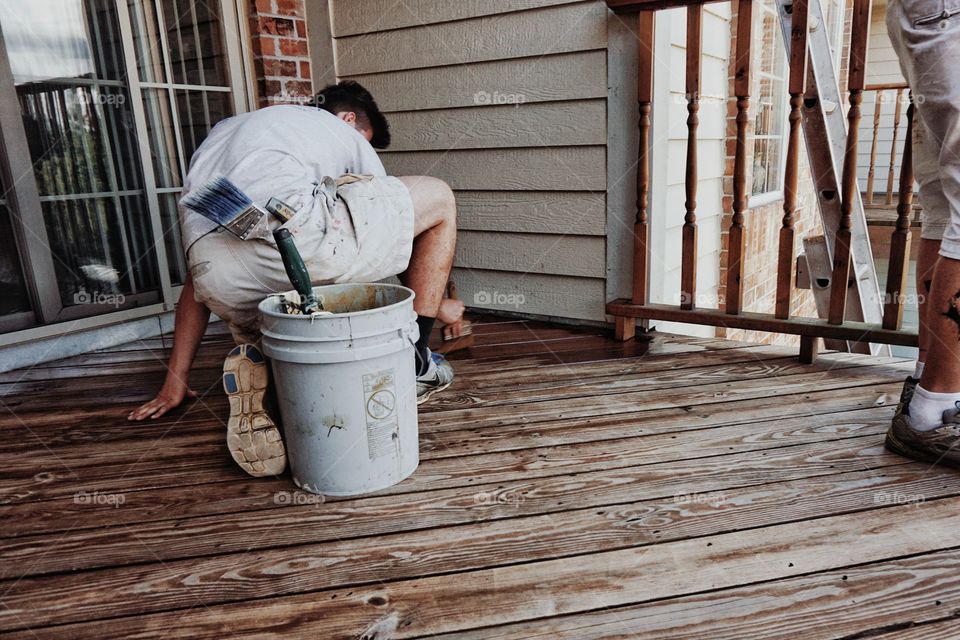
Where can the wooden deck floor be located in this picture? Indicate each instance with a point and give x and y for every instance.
(570, 488)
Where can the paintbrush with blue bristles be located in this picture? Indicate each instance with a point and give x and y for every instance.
(221, 201)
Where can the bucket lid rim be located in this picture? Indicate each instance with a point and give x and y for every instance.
(288, 316)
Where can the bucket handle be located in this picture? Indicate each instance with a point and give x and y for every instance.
(411, 333)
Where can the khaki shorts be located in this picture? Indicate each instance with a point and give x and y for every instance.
(355, 229)
(926, 36)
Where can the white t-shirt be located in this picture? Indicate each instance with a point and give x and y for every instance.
(283, 151)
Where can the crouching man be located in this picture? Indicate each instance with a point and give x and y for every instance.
(354, 224)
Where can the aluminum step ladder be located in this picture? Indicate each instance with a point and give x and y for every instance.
(824, 119)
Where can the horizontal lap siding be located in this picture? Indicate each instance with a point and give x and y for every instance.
(352, 17)
(567, 76)
(506, 101)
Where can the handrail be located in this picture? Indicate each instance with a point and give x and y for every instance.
(731, 315)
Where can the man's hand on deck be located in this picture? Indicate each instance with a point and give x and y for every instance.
(167, 399)
(189, 326)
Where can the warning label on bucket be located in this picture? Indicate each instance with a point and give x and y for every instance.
(380, 397)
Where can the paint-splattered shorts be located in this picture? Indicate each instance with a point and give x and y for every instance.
(926, 37)
(354, 229)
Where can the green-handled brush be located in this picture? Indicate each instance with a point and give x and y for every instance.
(297, 271)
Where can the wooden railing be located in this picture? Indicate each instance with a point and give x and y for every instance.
(898, 93)
(638, 307)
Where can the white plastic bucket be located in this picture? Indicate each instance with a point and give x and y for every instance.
(346, 387)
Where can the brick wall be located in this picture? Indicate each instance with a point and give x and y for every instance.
(762, 228)
(278, 29)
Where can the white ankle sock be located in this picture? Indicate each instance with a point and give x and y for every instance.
(918, 372)
(927, 407)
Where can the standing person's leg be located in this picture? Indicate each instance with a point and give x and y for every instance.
(927, 41)
(936, 217)
(927, 258)
(435, 231)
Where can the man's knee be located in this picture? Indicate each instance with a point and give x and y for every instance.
(433, 199)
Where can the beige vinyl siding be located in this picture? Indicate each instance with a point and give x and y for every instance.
(575, 27)
(506, 101)
(352, 17)
(568, 76)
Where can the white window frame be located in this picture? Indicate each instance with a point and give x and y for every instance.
(755, 200)
(24, 200)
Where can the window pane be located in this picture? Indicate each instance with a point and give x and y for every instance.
(62, 39)
(199, 111)
(95, 255)
(163, 141)
(146, 41)
(13, 288)
(82, 139)
(171, 237)
(196, 56)
(195, 39)
(771, 105)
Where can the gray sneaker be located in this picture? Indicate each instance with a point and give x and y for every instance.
(252, 437)
(439, 376)
(909, 386)
(939, 446)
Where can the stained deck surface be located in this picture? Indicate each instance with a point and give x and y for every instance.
(570, 488)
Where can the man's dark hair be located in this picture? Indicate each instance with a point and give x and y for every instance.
(351, 96)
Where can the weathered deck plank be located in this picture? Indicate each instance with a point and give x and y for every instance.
(570, 487)
(234, 495)
(445, 603)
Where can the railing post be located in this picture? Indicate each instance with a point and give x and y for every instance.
(809, 349)
(688, 268)
(741, 86)
(872, 170)
(796, 87)
(625, 328)
(900, 240)
(893, 146)
(855, 81)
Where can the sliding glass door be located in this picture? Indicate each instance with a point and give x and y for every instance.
(102, 103)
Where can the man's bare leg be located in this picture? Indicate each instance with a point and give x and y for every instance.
(435, 231)
(435, 238)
